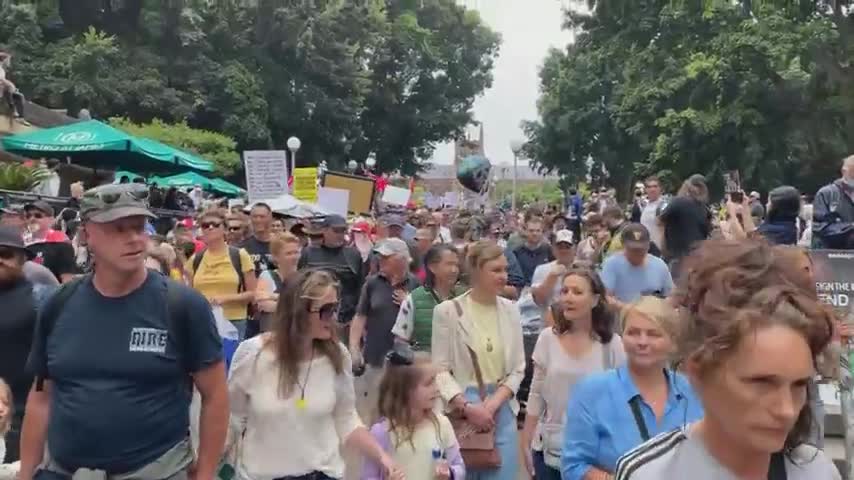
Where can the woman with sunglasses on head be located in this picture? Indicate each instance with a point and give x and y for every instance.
(749, 346)
(477, 348)
(610, 413)
(294, 386)
(225, 275)
(580, 342)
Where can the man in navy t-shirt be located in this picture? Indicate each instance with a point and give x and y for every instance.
(113, 363)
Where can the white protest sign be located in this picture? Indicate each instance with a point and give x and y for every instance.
(451, 199)
(333, 200)
(266, 174)
(396, 195)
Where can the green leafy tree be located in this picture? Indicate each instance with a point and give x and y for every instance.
(688, 87)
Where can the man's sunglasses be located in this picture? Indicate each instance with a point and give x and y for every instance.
(37, 215)
(210, 225)
(111, 196)
(326, 312)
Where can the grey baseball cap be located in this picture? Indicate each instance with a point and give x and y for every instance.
(109, 203)
(393, 246)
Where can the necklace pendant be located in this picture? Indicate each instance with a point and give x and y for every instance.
(301, 404)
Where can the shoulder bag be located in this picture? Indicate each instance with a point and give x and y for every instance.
(477, 448)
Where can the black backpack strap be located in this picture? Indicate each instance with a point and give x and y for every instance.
(176, 309)
(234, 255)
(50, 312)
(197, 260)
(635, 404)
(777, 468)
(277, 280)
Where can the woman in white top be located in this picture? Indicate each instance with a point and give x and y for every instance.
(291, 392)
(749, 343)
(482, 322)
(580, 342)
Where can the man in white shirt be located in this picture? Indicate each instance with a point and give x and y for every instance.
(649, 215)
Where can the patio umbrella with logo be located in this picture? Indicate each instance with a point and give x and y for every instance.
(95, 144)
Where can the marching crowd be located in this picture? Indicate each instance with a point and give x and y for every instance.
(588, 341)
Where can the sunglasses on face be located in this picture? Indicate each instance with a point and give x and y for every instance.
(37, 215)
(340, 230)
(210, 225)
(7, 253)
(327, 312)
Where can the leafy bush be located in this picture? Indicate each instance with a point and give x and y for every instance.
(15, 176)
(212, 146)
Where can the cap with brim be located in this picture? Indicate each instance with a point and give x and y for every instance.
(41, 206)
(392, 246)
(334, 221)
(563, 236)
(635, 236)
(11, 238)
(124, 202)
(119, 213)
(394, 221)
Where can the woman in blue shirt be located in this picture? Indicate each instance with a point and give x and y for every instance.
(610, 413)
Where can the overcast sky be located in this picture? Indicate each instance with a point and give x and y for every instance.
(528, 29)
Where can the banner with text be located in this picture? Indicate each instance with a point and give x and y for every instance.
(266, 174)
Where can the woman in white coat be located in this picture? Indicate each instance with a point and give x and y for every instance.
(486, 326)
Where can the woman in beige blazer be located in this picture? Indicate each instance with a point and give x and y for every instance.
(489, 325)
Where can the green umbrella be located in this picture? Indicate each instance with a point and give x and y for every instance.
(189, 179)
(96, 144)
(124, 173)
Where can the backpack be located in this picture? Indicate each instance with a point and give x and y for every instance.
(175, 309)
(234, 256)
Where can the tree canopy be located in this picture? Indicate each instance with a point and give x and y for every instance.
(673, 88)
(392, 77)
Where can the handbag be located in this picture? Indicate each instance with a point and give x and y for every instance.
(477, 448)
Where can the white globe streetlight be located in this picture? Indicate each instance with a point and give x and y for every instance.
(352, 165)
(516, 146)
(293, 145)
(371, 161)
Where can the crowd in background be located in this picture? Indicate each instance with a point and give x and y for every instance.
(591, 340)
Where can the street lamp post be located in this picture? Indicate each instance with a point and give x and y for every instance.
(294, 144)
(516, 147)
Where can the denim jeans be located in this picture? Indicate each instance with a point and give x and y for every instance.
(506, 441)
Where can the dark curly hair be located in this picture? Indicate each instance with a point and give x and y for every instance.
(733, 288)
(602, 317)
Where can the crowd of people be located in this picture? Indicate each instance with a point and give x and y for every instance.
(666, 338)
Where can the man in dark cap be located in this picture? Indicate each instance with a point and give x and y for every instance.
(115, 354)
(19, 298)
(345, 262)
(50, 247)
(633, 272)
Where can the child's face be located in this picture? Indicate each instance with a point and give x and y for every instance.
(427, 391)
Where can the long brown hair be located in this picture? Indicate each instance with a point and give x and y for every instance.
(602, 316)
(396, 387)
(291, 326)
(736, 287)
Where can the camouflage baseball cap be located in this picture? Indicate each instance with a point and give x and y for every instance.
(109, 203)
